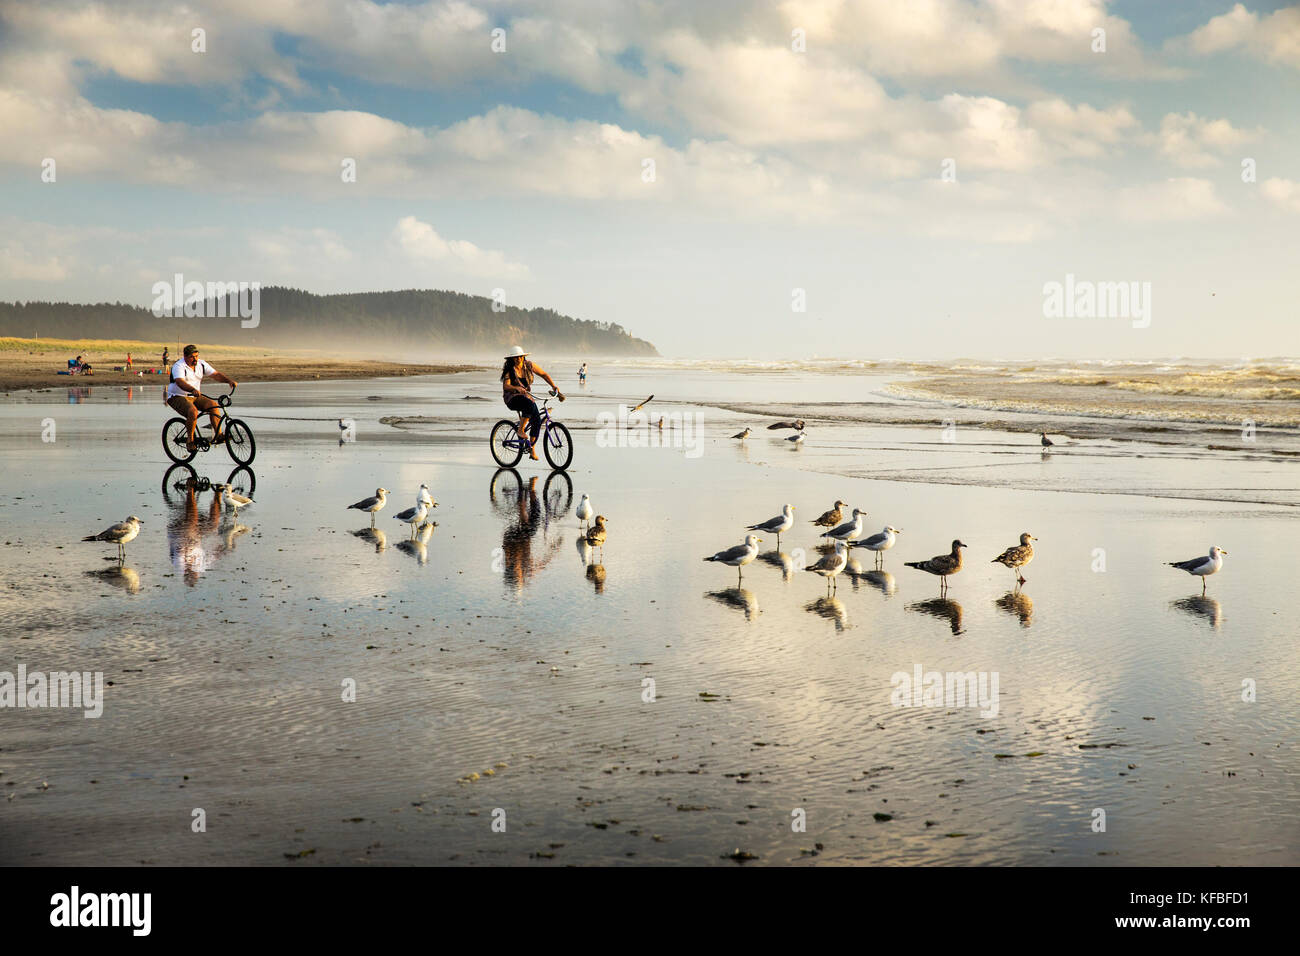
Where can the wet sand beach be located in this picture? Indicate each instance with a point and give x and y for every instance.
(501, 668)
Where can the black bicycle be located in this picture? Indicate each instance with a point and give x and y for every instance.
(509, 443)
(232, 432)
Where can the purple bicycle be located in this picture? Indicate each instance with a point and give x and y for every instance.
(509, 444)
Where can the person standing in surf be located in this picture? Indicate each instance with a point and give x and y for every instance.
(516, 381)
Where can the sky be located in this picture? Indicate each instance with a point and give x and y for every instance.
(863, 179)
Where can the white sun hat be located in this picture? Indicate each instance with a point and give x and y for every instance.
(515, 352)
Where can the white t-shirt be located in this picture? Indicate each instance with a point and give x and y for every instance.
(191, 376)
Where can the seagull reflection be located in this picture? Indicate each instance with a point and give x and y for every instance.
(882, 581)
(831, 608)
(779, 559)
(1019, 604)
(584, 550)
(373, 536)
(418, 547)
(742, 598)
(230, 530)
(596, 575)
(1201, 605)
(942, 608)
(118, 576)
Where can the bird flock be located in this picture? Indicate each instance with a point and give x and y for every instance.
(414, 516)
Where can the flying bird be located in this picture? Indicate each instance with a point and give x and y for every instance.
(1017, 556)
(797, 425)
(941, 565)
(643, 404)
(1202, 567)
(119, 534)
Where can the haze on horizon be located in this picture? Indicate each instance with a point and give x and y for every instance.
(795, 145)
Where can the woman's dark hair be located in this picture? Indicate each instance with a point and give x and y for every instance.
(509, 364)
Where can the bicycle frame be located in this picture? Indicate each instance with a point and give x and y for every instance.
(543, 408)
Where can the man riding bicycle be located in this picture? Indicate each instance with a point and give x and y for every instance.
(516, 380)
(184, 395)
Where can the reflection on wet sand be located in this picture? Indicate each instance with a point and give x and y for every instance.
(882, 581)
(119, 576)
(1019, 604)
(596, 575)
(418, 546)
(831, 608)
(742, 598)
(780, 560)
(373, 536)
(187, 525)
(943, 608)
(1200, 605)
(527, 517)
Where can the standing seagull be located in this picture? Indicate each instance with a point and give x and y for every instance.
(797, 425)
(850, 530)
(372, 504)
(596, 535)
(413, 516)
(831, 564)
(1016, 557)
(1202, 567)
(233, 500)
(742, 435)
(830, 519)
(782, 522)
(119, 534)
(739, 556)
(797, 439)
(1046, 442)
(880, 542)
(422, 497)
(942, 565)
(584, 511)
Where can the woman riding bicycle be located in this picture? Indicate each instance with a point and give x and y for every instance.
(516, 381)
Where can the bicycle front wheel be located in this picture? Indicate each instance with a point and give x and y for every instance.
(507, 445)
(559, 446)
(174, 436)
(239, 442)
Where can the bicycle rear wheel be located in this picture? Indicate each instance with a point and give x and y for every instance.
(507, 445)
(175, 433)
(559, 446)
(239, 441)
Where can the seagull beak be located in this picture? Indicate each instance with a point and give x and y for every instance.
(1221, 551)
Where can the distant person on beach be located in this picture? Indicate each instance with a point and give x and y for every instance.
(166, 355)
(83, 367)
(582, 373)
(183, 393)
(128, 361)
(516, 381)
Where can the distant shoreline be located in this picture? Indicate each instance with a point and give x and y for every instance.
(35, 363)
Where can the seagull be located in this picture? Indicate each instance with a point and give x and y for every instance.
(880, 542)
(742, 435)
(797, 439)
(372, 504)
(424, 498)
(848, 531)
(797, 425)
(584, 511)
(596, 535)
(942, 565)
(830, 519)
(1202, 567)
(831, 564)
(782, 522)
(739, 556)
(119, 534)
(1046, 442)
(413, 516)
(233, 500)
(1017, 556)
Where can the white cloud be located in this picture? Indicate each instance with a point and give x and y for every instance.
(1274, 38)
(1192, 141)
(1284, 192)
(1181, 199)
(421, 243)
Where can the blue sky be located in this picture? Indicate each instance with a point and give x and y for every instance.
(775, 169)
